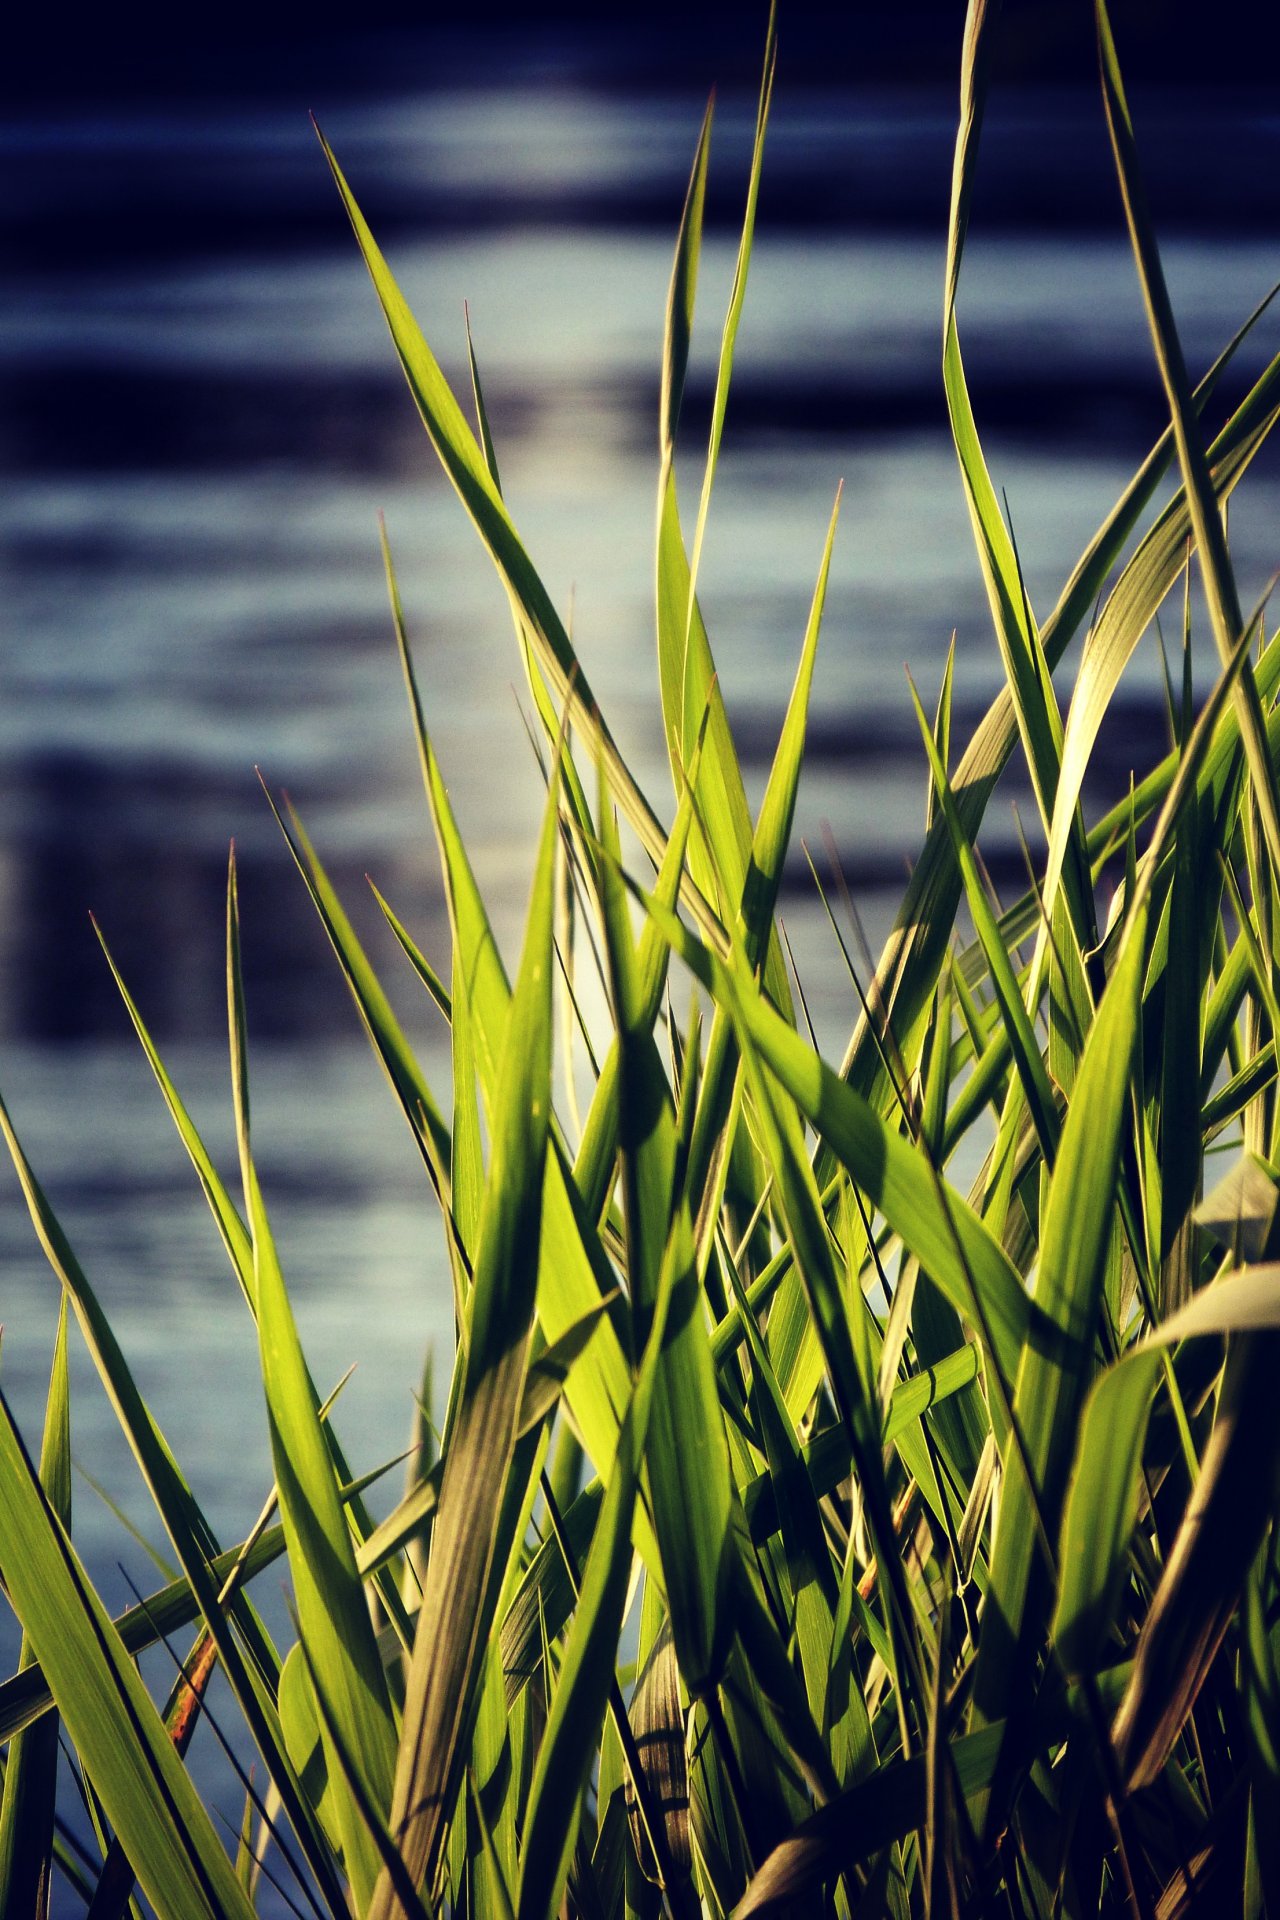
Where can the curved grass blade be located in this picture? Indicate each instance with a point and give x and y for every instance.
(464, 463)
(1127, 614)
(193, 1540)
(144, 1788)
(31, 1768)
(1053, 1379)
(737, 296)
(332, 1611)
(689, 1472)
(376, 1016)
(1210, 535)
(939, 1227)
(587, 1669)
(906, 973)
(1026, 668)
(891, 1803)
(1022, 1041)
(1203, 1573)
(472, 1536)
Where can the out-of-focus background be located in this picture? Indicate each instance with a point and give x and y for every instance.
(201, 416)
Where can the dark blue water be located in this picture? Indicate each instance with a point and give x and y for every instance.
(200, 418)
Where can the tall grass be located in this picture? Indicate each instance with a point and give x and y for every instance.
(804, 1533)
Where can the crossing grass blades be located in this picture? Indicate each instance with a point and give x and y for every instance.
(806, 1534)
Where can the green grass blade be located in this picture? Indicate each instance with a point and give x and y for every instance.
(574, 1274)
(144, 1788)
(376, 1015)
(543, 1387)
(906, 974)
(1021, 1038)
(737, 296)
(890, 1804)
(939, 1227)
(586, 1677)
(332, 1611)
(31, 1767)
(1054, 1377)
(772, 835)
(1127, 614)
(482, 412)
(1025, 666)
(463, 461)
(682, 292)
(193, 1540)
(25, 1696)
(235, 1237)
(692, 705)
(472, 1524)
(416, 958)
(814, 1587)
(686, 1455)
(1102, 1503)
(1210, 534)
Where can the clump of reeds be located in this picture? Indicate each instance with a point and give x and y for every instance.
(943, 1522)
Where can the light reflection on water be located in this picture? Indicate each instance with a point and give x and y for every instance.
(201, 419)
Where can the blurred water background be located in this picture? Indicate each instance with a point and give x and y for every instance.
(200, 417)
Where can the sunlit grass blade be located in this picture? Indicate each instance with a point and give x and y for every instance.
(1053, 1378)
(1210, 535)
(25, 1695)
(544, 1384)
(234, 1234)
(1208, 1559)
(939, 1226)
(29, 1800)
(738, 294)
(906, 973)
(771, 837)
(692, 703)
(416, 958)
(471, 1538)
(332, 1611)
(587, 1669)
(464, 463)
(1022, 1041)
(1128, 610)
(193, 1540)
(1232, 1505)
(574, 1274)
(386, 1035)
(686, 1456)
(147, 1793)
(1025, 666)
(812, 1575)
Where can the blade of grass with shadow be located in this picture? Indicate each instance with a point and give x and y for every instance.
(464, 463)
(1052, 1380)
(586, 1675)
(689, 685)
(29, 1800)
(575, 1274)
(689, 1472)
(471, 1533)
(332, 1610)
(906, 972)
(109, 1716)
(193, 1541)
(1225, 615)
(939, 1227)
